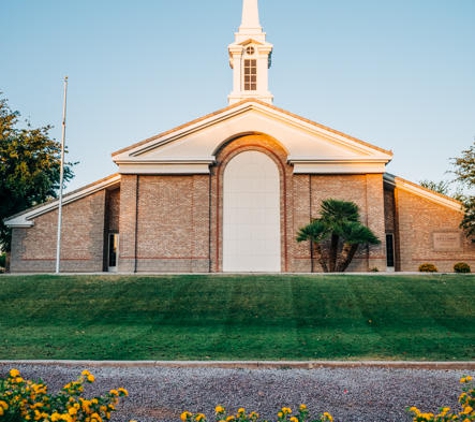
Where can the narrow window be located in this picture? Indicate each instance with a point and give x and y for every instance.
(390, 250)
(113, 251)
(250, 75)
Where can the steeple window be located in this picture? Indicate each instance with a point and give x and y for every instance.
(250, 75)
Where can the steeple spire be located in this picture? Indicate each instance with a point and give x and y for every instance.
(249, 57)
(250, 17)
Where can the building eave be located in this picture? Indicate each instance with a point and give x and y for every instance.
(414, 188)
(25, 218)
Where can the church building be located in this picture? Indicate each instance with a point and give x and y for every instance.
(229, 191)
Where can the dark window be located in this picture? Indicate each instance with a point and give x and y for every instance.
(390, 250)
(113, 249)
(250, 75)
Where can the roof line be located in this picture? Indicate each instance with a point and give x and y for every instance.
(240, 104)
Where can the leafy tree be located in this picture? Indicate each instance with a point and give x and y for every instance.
(439, 187)
(465, 175)
(336, 236)
(30, 164)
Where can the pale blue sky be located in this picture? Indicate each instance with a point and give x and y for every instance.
(399, 74)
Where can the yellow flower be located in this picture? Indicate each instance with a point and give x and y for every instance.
(14, 373)
(286, 410)
(467, 410)
(86, 374)
(253, 415)
(230, 418)
(327, 416)
(114, 392)
(123, 391)
(280, 415)
(241, 411)
(199, 417)
(2, 412)
(293, 419)
(302, 407)
(96, 418)
(3, 405)
(185, 415)
(219, 409)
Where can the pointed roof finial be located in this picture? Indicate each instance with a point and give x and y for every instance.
(250, 17)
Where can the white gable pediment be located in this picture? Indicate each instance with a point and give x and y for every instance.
(312, 148)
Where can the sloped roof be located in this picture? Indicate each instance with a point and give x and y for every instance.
(309, 144)
(430, 195)
(25, 218)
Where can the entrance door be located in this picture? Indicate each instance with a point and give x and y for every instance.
(113, 252)
(251, 214)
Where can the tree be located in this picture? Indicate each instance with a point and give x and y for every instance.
(441, 187)
(465, 175)
(336, 236)
(30, 164)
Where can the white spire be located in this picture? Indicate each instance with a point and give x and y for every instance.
(250, 17)
(249, 57)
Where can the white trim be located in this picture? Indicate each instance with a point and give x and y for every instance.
(23, 220)
(411, 187)
(165, 167)
(134, 153)
(307, 166)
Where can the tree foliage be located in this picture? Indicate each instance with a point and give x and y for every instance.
(441, 187)
(30, 163)
(464, 169)
(336, 236)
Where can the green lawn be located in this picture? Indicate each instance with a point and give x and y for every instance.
(265, 317)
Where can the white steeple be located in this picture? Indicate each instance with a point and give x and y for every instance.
(249, 57)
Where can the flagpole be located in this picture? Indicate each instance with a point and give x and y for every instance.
(61, 176)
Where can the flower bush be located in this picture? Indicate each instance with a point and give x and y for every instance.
(467, 403)
(24, 400)
(284, 415)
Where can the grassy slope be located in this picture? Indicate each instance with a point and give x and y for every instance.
(237, 317)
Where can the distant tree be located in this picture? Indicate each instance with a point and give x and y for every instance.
(439, 187)
(465, 175)
(29, 167)
(336, 236)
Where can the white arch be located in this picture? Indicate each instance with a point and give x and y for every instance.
(251, 214)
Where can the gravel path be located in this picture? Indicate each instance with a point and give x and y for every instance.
(360, 393)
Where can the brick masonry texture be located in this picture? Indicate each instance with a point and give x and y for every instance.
(34, 249)
(418, 219)
(173, 223)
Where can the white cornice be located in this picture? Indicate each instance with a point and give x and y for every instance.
(403, 184)
(24, 219)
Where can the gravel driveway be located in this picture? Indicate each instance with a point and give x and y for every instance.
(160, 392)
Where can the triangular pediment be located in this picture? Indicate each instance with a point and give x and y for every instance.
(311, 147)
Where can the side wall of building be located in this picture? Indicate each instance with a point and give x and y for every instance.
(82, 240)
(428, 232)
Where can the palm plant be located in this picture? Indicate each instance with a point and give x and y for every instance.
(336, 236)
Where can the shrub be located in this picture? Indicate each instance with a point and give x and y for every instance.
(462, 267)
(25, 400)
(427, 268)
(466, 414)
(3, 260)
(284, 415)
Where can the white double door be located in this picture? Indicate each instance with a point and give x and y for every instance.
(251, 214)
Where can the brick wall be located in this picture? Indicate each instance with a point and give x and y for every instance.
(420, 221)
(164, 224)
(366, 191)
(34, 249)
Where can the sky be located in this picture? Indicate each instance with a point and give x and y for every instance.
(399, 74)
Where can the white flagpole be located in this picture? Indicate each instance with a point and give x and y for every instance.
(61, 177)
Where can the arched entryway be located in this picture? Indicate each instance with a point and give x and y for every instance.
(251, 214)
